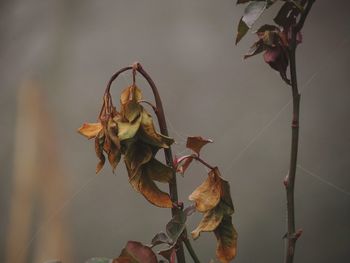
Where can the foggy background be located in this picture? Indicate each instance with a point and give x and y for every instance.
(56, 58)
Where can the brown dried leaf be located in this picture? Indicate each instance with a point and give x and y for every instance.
(132, 110)
(227, 240)
(90, 130)
(99, 142)
(207, 195)
(196, 143)
(112, 129)
(152, 193)
(114, 156)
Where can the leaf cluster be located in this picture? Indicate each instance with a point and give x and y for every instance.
(275, 40)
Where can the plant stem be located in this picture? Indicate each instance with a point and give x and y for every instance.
(292, 236)
(168, 153)
(190, 250)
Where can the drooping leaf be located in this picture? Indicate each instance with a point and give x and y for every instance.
(149, 134)
(114, 156)
(196, 143)
(226, 237)
(153, 194)
(90, 130)
(99, 142)
(158, 171)
(207, 195)
(112, 130)
(242, 1)
(136, 252)
(137, 154)
(209, 222)
(251, 13)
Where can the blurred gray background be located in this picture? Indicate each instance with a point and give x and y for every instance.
(71, 48)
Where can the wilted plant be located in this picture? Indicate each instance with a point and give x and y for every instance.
(130, 134)
(279, 43)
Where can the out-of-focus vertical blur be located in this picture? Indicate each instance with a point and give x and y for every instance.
(55, 59)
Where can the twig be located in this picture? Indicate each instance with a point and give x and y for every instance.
(292, 235)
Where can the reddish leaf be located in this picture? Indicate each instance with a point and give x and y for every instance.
(136, 252)
(181, 164)
(196, 143)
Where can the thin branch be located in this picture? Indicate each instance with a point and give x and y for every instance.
(292, 234)
(191, 250)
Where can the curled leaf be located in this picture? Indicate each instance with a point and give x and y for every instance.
(209, 222)
(90, 130)
(183, 163)
(131, 93)
(196, 143)
(149, 134)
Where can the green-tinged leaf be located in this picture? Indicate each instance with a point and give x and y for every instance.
(251, 13)
(176, 226)
(99, 142)
(226, 200)
(255, 49)
(158, 171)
(127, 130)
(136, 252)
(160, 238)
(99, 260)
(207, 195)
(209, 222)
(90, 130)
(241, 31)
(196, 143)
(132, 110)
(149, 134)
(226, 237)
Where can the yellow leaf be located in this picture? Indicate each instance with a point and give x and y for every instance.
(90, 130)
